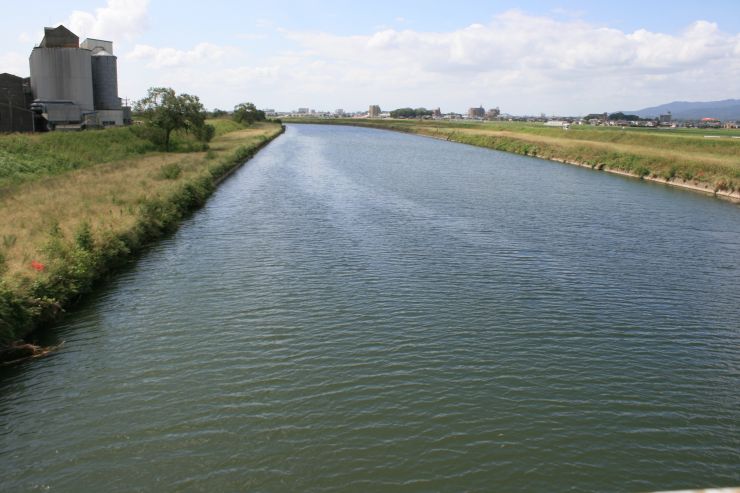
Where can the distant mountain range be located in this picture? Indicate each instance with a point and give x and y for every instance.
(729, 109)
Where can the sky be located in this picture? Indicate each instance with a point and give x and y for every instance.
(569, 57)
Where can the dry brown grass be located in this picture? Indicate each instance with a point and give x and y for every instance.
(105, 196)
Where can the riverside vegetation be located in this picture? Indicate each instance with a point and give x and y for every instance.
(75, 205)
(682, 157)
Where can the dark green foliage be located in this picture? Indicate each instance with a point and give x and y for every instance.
(84, 237)
(404, 113)
(671, 173)
(167, 111)
(248, 113)
(205, 133)
(642, 171)
(621, 116)
(16, 314)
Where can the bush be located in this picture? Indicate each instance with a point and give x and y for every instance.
(170, 171)
(671, 173)
(205, 133)
(84, 237)
(642, 171)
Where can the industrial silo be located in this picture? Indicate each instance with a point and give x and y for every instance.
(60, 70)
(105, 80)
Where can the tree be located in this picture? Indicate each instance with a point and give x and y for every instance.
(403, 113)
(248, 113)
(166, 111)
(621, 116)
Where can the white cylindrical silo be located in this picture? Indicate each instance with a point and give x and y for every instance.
(62, 74)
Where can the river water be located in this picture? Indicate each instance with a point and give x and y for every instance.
(361, 310)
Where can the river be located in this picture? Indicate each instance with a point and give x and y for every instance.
(362, 310)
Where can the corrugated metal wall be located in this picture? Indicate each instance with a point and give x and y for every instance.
(105, 82)
(62, 74)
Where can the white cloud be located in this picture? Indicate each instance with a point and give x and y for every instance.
(522, 61)
(519, 62)
(172, 57)
(119, 19)
(14, 63)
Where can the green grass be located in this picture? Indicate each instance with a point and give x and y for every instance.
(225, 125)
(25, 157)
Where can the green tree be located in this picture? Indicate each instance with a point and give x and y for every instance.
(621, 116)
(248, 113)
(403, 113)
(167, 111)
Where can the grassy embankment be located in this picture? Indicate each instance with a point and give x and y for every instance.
(75, 205)
(681, 157)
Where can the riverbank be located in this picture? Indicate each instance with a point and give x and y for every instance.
(61, 230)
(681, 158)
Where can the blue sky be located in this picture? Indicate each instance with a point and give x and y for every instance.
(526, 57)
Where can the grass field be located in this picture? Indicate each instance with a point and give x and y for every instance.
(64, 225)
(676, 156)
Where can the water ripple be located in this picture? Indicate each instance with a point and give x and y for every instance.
(361, 310)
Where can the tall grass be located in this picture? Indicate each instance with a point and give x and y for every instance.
(27, 157)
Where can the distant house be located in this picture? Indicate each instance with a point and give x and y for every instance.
(558, 123)
(710, 123)
(373, 111)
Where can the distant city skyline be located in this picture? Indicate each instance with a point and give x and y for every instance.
(569, 57)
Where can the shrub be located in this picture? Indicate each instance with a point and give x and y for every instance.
(169, 171)
(642, 171)
(205, 133)
(671, 173)
(84, 237)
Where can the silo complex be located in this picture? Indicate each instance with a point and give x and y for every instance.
(61, 71)
(68, 78)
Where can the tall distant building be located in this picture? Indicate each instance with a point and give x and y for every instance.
(493, 113)
(476, 112)
(374, 111)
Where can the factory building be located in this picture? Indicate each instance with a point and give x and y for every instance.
(15, 100)
(73, 85)
(476, 113)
